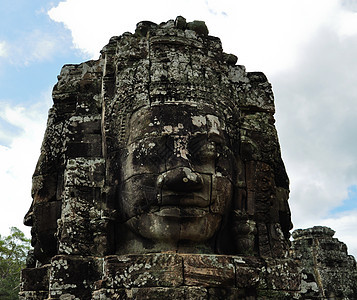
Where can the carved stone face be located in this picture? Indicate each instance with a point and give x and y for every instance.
(176, 176)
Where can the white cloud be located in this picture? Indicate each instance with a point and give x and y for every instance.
(267, 35)
(33, 47)
(3, 50)
(18, 159)
(36, 46)
(347, 23)
(316, 120)
(260, 32)
(94, 22)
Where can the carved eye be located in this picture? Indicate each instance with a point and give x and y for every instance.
(151, 152)
(208, 151)
(214, 137)
(202, 150)
(195, 144)
(165, 148)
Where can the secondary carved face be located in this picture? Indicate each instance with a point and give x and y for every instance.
(177, 172)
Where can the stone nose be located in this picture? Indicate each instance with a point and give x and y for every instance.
(181, 179)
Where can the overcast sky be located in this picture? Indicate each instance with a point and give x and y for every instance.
(307, 48)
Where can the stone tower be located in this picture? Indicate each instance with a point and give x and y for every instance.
(328, 271)
(160, 175)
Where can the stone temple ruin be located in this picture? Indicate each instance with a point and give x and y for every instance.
(160, 175)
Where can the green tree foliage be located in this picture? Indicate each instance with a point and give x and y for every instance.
(13, 252)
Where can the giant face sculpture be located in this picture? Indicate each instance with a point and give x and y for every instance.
(176, 179)
(162, 144)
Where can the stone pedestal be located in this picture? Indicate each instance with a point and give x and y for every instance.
(157, 276)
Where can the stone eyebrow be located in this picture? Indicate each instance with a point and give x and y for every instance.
(196, 142)
(217, 138)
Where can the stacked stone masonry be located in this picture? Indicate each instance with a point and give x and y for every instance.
(155, 276)
(160, 175)
(328, 271)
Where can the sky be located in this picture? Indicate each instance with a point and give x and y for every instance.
(307, 49)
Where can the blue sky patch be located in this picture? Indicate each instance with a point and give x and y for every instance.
(7, 132)
(36, 49)
(348, 204)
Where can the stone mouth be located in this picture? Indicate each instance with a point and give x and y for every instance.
(185, 200)
(181, 212)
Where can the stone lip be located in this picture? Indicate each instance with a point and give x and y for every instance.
(315, 231)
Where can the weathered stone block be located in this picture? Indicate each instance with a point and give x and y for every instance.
(83, 125)
(226, 293)
(282, 274)
(158, 293)
(152, 293)
(33, 295)
(128, 271)
(73, 276)
(110, 294)
(208, 270)
(247, 277)
(85, 172)
(81, 149)
(248, 271)
(80, 222)
(35, 279)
